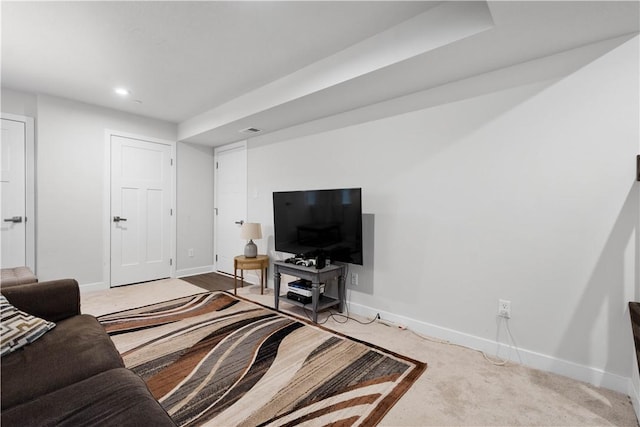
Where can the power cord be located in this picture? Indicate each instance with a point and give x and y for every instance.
(347, 317)
(498, 362)
(336, 316)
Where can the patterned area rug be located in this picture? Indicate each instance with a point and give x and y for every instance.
(214, 359)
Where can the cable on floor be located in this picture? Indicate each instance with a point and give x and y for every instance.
(336, 316)
(498, 362)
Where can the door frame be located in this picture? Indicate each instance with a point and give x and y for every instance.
(106, 202)
(233, 146)
(30, 187)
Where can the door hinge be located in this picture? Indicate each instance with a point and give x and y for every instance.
(215, 210)
(171, 162)
(170, 261)
(171, 212)
(216, 257)
(216, 165)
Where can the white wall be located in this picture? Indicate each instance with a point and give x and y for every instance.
(15, 102)
(70, 150)
(70, 172)
(525, 194)
(195, 209)
(70, 163)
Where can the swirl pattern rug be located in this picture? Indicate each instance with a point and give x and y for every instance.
(214, 359)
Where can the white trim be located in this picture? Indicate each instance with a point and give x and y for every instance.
(92, 287)
(594, 376)
(251, 277)
(216, 150)
(30, 186)
(186, 272)
(106, 201)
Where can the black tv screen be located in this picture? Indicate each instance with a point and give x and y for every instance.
(311, 222)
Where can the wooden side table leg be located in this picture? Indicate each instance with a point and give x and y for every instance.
(235, 277)
(262, 274)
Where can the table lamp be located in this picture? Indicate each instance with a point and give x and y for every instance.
(250, 231)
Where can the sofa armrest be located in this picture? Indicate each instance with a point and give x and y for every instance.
(52, 300)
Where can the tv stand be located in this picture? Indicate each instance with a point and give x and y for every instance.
(316, 276)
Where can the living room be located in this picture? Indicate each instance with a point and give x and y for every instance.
(513, 181)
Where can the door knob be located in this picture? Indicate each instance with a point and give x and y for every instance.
(14, 219)
(240, 222)
(118, 219)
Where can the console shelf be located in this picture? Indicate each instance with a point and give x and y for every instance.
(316, 276)
(323, 303)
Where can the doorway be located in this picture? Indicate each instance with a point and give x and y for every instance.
(17, 176)
(142, 209)
(230, 203)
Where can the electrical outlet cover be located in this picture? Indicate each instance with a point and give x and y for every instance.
(504, 308)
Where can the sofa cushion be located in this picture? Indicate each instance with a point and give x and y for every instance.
(74, 350)
(53, 300)
(19, 328)
(16, 276)
(115, 398)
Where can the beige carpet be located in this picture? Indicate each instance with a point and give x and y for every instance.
(460, 388)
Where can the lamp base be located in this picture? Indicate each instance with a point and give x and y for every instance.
(250, 250)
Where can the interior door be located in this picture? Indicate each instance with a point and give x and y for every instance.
(231, 204)
(13, 188)
(141, 210)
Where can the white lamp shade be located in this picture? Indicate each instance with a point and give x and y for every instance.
(250, 231)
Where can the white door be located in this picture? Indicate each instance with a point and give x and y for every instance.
(141, 194)
(231, 203)
(13, 177)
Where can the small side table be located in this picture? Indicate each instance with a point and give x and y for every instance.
(241, 262)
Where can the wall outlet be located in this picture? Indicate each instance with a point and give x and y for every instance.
(190, 252)
(354, 279)
(504, 308)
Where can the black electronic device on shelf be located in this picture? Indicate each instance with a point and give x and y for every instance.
(300, 298)
(319, 225)
(306, 262)
(318, 262)
(304, 287)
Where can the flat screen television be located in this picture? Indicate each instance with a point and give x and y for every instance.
(313, 222)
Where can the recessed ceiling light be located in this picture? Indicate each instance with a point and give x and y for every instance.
(122, 91)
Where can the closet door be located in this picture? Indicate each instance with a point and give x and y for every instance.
(13, 228)
(230, 204)
(141, 210)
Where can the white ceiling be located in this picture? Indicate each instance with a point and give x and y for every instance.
(216, 67)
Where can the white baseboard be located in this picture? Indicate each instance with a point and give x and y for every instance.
(99, 286)
(525, 357)
(186, 272)
(90, 287)
(251, 277)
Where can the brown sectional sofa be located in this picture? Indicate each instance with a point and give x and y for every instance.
(72, 375)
